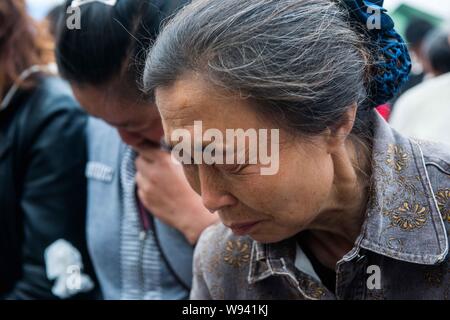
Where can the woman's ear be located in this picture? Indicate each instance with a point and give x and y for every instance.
(337, 135)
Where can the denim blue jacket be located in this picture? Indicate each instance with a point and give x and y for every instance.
(403, 240)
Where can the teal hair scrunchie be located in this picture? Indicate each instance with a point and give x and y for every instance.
(393, 63)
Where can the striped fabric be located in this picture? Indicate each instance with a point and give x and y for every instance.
(140, 258)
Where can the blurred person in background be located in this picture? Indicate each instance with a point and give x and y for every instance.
(42, 163)
(416, 31)
(415, 34)
(424, 111)
(143, 217)
(52, 18)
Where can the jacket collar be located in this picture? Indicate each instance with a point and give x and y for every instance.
(403, 220)
(277, 259)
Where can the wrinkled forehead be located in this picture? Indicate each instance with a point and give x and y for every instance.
(191, 99)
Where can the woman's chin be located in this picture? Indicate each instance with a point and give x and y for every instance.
(267, 238)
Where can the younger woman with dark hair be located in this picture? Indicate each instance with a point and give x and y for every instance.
(143, 217)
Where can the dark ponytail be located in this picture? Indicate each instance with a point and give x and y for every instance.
(111, 40)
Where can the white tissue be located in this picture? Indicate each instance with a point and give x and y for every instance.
(64, 265)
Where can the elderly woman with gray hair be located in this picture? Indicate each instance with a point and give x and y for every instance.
(355, 210)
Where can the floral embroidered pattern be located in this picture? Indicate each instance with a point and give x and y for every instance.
(394, 243)
(237, 253)
(397, 158)
(443, 200)
(313, 289)
(409, 217)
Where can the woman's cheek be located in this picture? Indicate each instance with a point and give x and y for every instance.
(262, 194)
(192, 176)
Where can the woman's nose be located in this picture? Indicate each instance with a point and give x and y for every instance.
(132, 139)
(216, 202)
(155, 134)
(214, 197)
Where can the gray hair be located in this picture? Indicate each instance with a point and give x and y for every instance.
(303, 61)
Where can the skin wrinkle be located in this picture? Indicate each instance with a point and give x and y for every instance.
(339, 213)
(277, 64)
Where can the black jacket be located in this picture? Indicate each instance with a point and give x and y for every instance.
(42, 185)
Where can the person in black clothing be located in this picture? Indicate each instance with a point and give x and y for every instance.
(42, 162)
(416, 32)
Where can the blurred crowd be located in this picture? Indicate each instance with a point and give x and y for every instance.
(421, 111)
